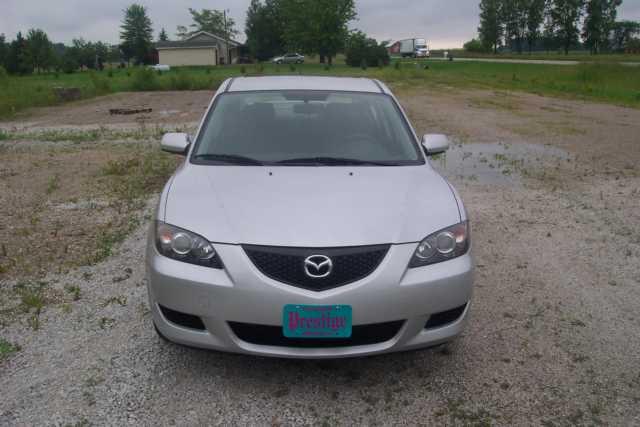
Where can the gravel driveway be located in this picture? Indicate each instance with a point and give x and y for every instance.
(554, 338)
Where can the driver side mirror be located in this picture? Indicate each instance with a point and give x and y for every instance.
(435, 143)
(176, 143)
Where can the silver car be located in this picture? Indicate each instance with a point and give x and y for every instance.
(307, 222)
(289, 58)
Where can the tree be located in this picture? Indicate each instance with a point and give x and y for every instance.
(163, 36)
(40, 50)
(622, 34)
(17, 58)
(4, 51)
(535, 17)
(514, 17)
(317, 26)
(599, 21)
(136, 33)
(565, 15)
(264, 29)
(361, 50)
(211, 21)
(549, 36)
(491, 29)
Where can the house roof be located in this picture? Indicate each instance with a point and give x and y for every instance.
(195, 40)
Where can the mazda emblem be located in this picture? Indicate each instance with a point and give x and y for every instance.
(318, 266)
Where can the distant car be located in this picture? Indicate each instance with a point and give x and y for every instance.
(160, 67)
(289, 58)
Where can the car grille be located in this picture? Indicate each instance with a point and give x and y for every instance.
(287, 265)
(273, 336)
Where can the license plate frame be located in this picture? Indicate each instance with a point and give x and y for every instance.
(304, 321)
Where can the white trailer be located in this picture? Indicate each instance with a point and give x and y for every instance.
(415, 48)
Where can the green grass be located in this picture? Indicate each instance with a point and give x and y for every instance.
(581, 56)
(605, 82)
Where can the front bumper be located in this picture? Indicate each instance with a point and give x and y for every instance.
(241, 293)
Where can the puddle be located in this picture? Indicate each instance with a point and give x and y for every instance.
(496, 163)
(165, 113)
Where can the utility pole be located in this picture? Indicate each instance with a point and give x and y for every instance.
(226, 37)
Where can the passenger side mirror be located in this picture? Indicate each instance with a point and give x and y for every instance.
(176, 143)
(435, 143)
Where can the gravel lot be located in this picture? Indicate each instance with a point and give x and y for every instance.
(553, 191)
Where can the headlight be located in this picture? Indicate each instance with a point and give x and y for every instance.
(441, 246)
(183, 245)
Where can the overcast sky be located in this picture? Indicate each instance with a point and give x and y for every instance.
(445, 23)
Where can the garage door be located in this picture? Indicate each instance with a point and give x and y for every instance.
(182, 56)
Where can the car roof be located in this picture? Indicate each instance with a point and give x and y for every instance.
(344, 84)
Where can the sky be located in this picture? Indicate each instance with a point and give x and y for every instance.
(444, 23)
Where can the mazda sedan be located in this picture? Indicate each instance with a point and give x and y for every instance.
(307, 222)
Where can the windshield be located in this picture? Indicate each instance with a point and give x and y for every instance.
(305, 127)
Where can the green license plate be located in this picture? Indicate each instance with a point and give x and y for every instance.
(316, 321)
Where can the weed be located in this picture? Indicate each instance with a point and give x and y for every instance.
(106, 322)
(74, 291)
(181, 81)
(4, 135)
(100, 84)
(121, 300)
(144, 79)
(460, 415)
(53, 184)
(7, 349)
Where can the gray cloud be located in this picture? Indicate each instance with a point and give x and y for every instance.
(445, 23)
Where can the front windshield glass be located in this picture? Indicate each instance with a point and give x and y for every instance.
(305, 127)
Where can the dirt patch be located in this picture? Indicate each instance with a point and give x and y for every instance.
(65, 206)
(168, 108)
(551, 339)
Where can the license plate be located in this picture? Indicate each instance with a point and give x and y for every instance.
(316, 321)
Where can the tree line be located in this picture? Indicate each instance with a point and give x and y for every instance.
(553, 24)
(272, 27)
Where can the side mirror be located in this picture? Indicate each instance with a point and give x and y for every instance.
(435, 143)
(176, 143)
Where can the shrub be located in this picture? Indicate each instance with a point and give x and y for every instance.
(243, 70)
(361, 49)
(144, 79)
(292, 68)
(110, 74)
(101, 84)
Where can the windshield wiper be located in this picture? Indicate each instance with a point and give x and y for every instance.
(229, 158)
(331, 161)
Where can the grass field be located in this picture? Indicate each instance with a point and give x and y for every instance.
(604, 82)
(576, 55)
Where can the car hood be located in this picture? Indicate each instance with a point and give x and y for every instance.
(310, 206)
